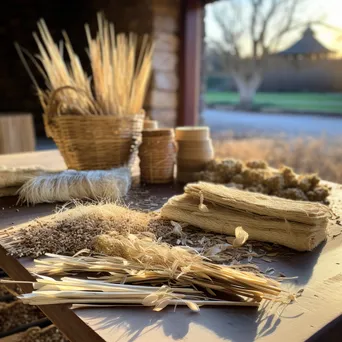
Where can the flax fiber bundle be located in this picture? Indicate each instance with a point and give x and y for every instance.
(69, 231)
(295, 224)
(108, 185)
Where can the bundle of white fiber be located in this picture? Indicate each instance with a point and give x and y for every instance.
(109, 185)
(296, 224)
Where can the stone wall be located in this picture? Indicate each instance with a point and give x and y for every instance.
(160, 18)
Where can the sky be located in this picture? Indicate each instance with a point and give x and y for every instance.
(330, 11)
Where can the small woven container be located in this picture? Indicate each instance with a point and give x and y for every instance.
(195, 150)
(157, 155)
(148, 124)
(95, 142)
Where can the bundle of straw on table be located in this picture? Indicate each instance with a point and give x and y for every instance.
(142, 261)
(96, 121)
(295, 224)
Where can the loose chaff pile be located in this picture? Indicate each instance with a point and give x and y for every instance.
(178, 275)
(295, 224)
(65, 186)
(69, 231)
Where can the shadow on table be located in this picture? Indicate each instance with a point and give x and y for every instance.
(300, 265)
(129, 324)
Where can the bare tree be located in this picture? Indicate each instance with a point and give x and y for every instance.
(251, 30)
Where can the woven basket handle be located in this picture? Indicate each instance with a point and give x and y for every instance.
(53, 110)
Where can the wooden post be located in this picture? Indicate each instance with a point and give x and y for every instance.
(190, 62)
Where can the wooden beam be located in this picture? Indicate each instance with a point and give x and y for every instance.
(190, 62)
(61, 315)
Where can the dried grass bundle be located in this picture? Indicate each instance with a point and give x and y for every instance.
(69, 231)
(108, 185)
(298, 225)
(182, 266)
(80, 291)
(120, 73)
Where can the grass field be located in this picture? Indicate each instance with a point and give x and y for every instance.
(306, 102)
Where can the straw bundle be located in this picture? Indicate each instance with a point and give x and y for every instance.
(71, 230)
(110, 101)
(298, 225)
(140, 259)
(67, 185)
(80, 291)
(120, 74)
(184, 267)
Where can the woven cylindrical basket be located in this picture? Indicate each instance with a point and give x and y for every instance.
(195, 150)
(157, 155)
(95, 142)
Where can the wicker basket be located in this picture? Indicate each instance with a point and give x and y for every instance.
(95, 142)
(157, 155)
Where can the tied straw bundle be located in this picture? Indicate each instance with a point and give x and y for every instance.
(120, 74)
(178, 275)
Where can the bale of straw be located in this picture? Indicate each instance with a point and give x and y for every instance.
(69, 231)
(108, 185)
(298, 225)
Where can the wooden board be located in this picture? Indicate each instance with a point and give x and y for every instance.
(319, 274)
(17, 133)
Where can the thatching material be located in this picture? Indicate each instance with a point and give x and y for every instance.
(71, 230)
(298, 225)
(108, 185)
(80, 291)
(182, 266)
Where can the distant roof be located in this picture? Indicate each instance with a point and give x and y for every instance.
(307, 45)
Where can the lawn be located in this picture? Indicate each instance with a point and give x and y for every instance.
(306, 102)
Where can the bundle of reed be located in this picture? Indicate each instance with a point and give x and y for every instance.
(65, 186)
(298, 225)
(141, 259)
(80, 291)
(111, 105)
(69, 231)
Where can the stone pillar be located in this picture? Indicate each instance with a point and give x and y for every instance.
(162, 100)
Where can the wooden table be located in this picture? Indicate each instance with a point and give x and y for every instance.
(316, 315)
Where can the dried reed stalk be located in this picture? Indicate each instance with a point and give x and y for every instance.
(120, 74)
(79, 291)
(69, 231)
(298, 225)
(108, 185)
(182, 266)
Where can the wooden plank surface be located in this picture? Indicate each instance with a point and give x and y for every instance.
(17, 133)
(319, 273)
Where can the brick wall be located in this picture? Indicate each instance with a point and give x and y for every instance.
(159, 18)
